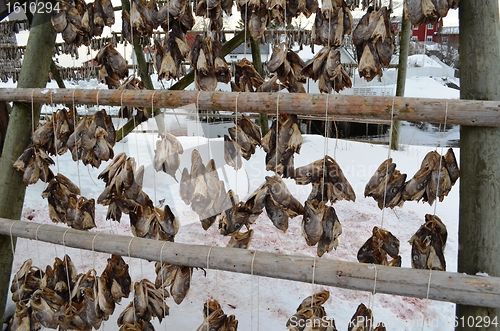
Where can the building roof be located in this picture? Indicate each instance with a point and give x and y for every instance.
(449, 30)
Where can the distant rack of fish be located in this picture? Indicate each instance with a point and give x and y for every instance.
(460, 112)
(445, 286)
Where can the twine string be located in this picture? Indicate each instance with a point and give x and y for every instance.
(66, 258)
(387, 165)
(208, 268)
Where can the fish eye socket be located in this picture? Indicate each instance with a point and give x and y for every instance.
(307, 220)
(237, 226)
(309, 174)
(415, 258)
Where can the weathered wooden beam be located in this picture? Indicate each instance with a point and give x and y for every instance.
(445, 286)
(463, 112)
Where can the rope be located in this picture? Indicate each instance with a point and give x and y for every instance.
(238, 155)
(54, 131)
(313, 286)
(277, 130)
(372, 294)
(32, 113)
(162, 278)
(37, 248)
(154, 170)
(198, 118)
(387, 165)
(427, 296)
(77, 154)
(122, 119)
(130, 264)
(442, 148)
(251, 301)
(93, 251)
(208, 268)
(325, 151)
(66, 264)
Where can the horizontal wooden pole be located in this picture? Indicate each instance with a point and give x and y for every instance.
(462, 112)
(445, 286)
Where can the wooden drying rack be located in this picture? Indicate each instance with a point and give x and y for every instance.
(445, 286)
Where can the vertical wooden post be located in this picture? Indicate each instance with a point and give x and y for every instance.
(479, 229)
(257, 63)
(34, 73)
(143, 72)
(404, 44)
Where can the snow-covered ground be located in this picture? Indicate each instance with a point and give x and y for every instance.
(273, 300)
(261, 303)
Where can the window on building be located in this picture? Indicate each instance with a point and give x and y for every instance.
(429, 38)
(444, 40)
(430, 26)
(414, 38)
(414, 27)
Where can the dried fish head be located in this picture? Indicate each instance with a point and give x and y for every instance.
(232, 153)
(165, 274)
(393, 191)
(181, 284)
(276, 214)
(451, 164)
(312, 226)
(309, 173)
(332, 229)
(376, 184)
(214, 321)
(241, 239)
(281, 194)
(390, 243)
(255, 202)
(317, 299)
(362, 320)
(41, 311)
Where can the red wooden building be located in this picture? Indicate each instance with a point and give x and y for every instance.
(448, 35)
(425, 32)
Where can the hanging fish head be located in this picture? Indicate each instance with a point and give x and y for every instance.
(276, 214)
(182, 282)
(309, 173)
(312, 226)
(390, 243)
(451, 164)
(376, 184)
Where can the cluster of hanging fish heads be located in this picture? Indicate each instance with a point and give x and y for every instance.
(91, 139)
(59, 297)
(311, 315)
(79, 22)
